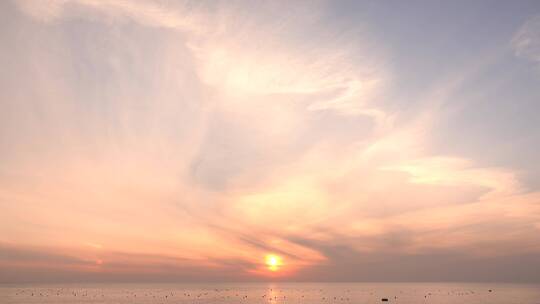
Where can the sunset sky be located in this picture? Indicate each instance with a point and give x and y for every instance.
(269, 140)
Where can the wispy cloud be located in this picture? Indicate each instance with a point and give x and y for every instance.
(526, 41)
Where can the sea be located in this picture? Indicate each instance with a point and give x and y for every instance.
(274, 293)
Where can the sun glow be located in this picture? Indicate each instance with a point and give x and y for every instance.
(273, 262)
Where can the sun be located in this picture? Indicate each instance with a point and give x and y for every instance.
(273, 262)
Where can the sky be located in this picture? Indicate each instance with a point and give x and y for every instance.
(340, 140)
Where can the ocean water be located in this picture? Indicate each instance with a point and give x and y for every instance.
(273, 293)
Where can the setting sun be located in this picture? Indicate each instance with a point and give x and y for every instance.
(273, 262)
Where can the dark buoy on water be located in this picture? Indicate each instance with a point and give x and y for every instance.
(384, 299)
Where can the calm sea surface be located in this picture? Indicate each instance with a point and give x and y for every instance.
(273, 293)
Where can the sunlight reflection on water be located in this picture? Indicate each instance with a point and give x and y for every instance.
(273, 293)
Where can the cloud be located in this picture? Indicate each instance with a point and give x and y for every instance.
(526, 41)
(246, 61)
(144, 12)
(454, 171)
